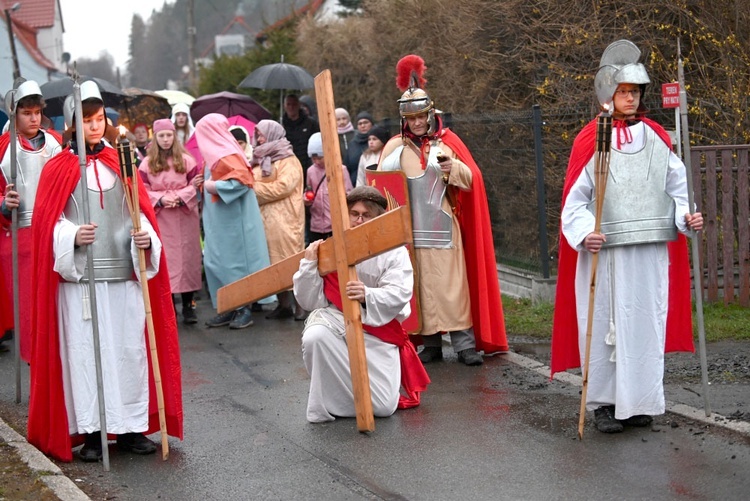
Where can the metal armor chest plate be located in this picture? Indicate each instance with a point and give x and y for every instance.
(637, 208)
(431, 225)
(112, 259)
(30, 165)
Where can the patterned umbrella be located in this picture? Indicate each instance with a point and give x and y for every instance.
(142, 106)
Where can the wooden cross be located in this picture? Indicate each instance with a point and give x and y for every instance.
(346, 248)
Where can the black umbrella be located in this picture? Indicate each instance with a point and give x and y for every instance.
(56, 91)
(229, 104)
(142, 106)
(278, 76)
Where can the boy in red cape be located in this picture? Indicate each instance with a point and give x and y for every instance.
(63, 399)
(34, 148)
(642, 296)
(459, 291)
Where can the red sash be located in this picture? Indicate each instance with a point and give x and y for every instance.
(414, 378)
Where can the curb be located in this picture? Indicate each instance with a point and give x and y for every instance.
(683, 410)
(47, 471)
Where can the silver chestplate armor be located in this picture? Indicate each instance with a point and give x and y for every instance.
(30, 165)
(112, 259)
(431, 225)
(637, 209)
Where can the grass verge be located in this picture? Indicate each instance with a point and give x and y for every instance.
(722, 322)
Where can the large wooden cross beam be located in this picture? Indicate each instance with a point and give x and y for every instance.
(346, 248)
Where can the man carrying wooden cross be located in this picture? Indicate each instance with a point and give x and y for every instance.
(384, 286)
(347, 248)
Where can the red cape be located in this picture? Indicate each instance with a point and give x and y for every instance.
(48, 422)
(565, 354)
(473, 215)
(24, 242)
(6, 303)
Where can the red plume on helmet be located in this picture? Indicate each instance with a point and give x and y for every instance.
(409, 72)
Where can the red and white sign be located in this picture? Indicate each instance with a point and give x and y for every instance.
(670, 95)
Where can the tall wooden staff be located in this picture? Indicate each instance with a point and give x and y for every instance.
(128, 173)
(10, 102)
(601, 172)
(81, 142)
(693, 237)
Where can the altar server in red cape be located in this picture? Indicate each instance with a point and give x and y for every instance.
(642, 300)
(459, 291)
(34, 148)
(63, 406)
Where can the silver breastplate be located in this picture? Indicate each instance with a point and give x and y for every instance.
(112, 259)
(431, 225)
(637, 208)
(29, 169)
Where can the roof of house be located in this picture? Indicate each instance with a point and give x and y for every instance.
(27, 36)
(236, 21)
(309, 8)
(34, 13)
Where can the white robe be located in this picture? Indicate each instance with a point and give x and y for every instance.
(631, 281)
(389, 283)
(122, 320)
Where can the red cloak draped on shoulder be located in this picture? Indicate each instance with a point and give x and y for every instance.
(473, 215)
(565, 353)
(24, 245)
(48, 421)
(6, 303)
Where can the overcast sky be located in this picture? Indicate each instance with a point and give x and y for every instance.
(92, 26)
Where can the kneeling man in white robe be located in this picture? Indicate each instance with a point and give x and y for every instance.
(384, 289)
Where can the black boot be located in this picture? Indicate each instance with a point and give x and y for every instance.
(604, 419)
(91, 452)
(188, 309)
(137, 443)
(431, 354)
(284, 309)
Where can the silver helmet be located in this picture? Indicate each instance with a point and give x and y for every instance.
(414, 100)
(89, 90)
(619, 64)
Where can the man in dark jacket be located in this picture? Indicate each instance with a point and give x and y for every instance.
(299, 127)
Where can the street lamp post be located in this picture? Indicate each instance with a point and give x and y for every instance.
(16, 69)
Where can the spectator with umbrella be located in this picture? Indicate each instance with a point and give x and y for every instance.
(170, 176)
(278, 176)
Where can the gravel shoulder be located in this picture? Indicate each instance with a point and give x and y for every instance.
(728, 374)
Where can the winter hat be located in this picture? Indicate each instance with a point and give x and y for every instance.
(366, 194)
(315, 145)
(180, 108)
(379, 132)
(364, 115)
(163, 124)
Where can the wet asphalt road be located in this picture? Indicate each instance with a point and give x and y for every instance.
(492, 432)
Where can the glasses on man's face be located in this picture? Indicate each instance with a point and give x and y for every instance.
(355, 216)
(625, 92)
